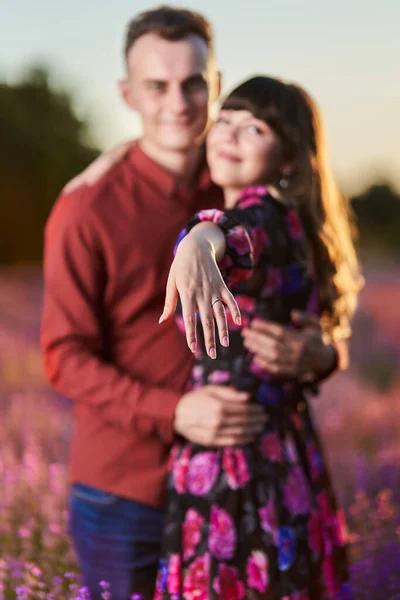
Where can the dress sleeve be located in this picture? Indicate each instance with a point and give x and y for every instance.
(255, 230)
(238, 261)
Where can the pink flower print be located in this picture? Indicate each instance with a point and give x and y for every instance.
(225, 263)
(239, 240)
(197, 372)
(173, 456)
(296, 492)
(257, 571)
(260, 241)
(202, 472)
(271, 447)
(294, 226)
(243, 468)
(273, 282)
(329, 574)
(229, 467)
(231, 323)
(158, 594)
(236, 469)
(315, 534)
(269, 521)
(219, 377)
(237, 275)
(228, 585)
(250, 201)
(195, 585)
(253, 193)
(222, 540)
(212, 214)
(192, 526)
(180, 470)
(174, 574)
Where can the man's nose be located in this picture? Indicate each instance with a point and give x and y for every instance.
(178, 100)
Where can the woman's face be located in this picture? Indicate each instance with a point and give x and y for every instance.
(243, 151)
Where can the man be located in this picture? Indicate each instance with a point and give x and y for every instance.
(108, 249)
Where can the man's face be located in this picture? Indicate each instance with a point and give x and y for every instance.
(167, 85)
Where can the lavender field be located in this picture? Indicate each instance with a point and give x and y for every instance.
(358, 414)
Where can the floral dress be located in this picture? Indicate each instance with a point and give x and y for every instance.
(257, 521)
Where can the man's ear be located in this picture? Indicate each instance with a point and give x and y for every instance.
(218, 84)
(126, 93)
(214, 86)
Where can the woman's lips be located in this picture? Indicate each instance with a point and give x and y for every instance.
(229, 156)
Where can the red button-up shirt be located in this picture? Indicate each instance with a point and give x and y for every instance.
(108, 249)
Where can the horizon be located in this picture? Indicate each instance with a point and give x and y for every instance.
(347, 63)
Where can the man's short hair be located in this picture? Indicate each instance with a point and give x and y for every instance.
(170, 24)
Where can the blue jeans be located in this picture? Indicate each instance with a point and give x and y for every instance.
(116, 540)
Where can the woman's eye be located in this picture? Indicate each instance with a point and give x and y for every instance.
(222, 121)
(254, 129)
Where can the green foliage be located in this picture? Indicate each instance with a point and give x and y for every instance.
(43, 144)
(378, 217)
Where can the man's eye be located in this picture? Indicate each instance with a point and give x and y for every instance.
(156, 86)
(196, 84)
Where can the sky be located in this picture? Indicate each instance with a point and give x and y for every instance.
(345, 52)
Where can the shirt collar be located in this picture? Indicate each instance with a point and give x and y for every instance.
(167, 183)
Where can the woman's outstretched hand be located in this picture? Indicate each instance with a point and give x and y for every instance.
(197, 280)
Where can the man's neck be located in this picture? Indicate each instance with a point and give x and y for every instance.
(184, 164)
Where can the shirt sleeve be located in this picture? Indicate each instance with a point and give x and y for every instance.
(72, 334)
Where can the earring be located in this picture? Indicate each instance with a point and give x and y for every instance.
(283, 183)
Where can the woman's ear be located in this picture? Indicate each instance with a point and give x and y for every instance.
(288, 167)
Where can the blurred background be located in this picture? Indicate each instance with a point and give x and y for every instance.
(59, 108)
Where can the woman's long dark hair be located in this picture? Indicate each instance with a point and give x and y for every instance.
(325, 213)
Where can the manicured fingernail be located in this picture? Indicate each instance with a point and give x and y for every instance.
(161, 319)
(193, 346)
(225, 341)
(238, 320)
(212, 353)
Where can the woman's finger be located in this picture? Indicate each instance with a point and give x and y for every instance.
(207, 321)
(218, 308)
(171, 297)
(189, 320)
(231, 303)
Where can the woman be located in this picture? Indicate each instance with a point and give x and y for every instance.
(260, 521)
